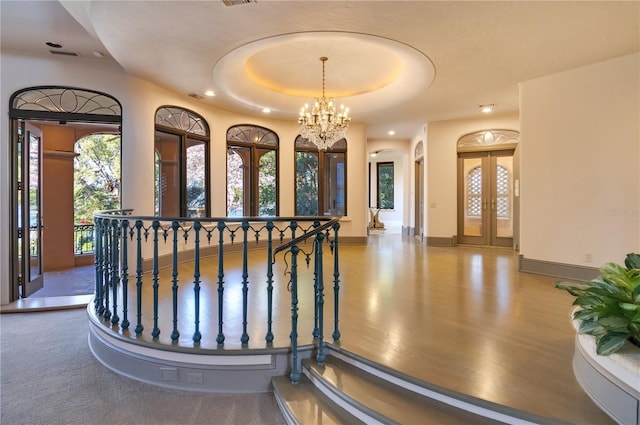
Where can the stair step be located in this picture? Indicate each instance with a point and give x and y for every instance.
(304, 404)
(382, 401)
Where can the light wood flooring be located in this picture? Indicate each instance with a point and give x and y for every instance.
(462, 318)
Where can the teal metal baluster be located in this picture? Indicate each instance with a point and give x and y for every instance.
(197, 336)
(125, 275)
(174, 288)
(295, 373)
(221, 226)
(107, 269)
(115, 277)
(155, 332)
(336, 281)
(316, 320)
(270, 226)
(98, 266)
(245, 281)
(139, 327)
(319, 298)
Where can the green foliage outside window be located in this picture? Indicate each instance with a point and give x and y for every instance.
(306, 184)
(96, 183)
(385, 185)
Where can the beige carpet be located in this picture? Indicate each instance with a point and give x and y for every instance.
(48, 376)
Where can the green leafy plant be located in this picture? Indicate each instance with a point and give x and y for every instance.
(609, 306)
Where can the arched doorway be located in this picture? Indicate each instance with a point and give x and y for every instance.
(46, 121)
(487, 188)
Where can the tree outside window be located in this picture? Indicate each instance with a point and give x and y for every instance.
(252, 171)
(96, 177)
(320, 180)
(181, 163)
(385, 185)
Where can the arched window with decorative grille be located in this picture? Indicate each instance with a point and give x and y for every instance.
(252, 171)
(181, 163)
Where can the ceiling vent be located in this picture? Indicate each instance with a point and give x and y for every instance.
(237, 2)
(63, 53)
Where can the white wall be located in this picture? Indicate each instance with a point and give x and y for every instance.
(139, 100)
(397, 152)
(441, 167)
(580, 150)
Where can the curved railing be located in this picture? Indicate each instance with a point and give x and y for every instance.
(131, 252)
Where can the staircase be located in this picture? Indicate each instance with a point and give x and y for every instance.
(349, 389)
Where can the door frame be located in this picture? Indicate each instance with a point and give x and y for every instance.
(492, 142)
(49, 103)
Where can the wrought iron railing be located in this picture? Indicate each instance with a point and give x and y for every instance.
(83, 238)
(129, 252)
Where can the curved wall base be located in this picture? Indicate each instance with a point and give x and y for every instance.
(227, 372)
(612, 382)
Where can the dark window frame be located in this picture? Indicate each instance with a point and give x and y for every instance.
(184, 136)
(252, 151)
(302, 145)
(379, 166)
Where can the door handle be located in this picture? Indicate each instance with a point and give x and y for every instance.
(493, 204)
(484, 205)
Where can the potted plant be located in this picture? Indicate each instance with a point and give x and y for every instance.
(609, 305)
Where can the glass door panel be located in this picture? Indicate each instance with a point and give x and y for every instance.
(30, 220)
(267, 189)
(196, 178)
(485, 198)
(474, 203)
(503, 204)
(167, 146)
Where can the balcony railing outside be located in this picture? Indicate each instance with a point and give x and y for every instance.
(125, 244)
(83, 238)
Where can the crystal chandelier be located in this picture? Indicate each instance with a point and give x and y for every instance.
(321, 125)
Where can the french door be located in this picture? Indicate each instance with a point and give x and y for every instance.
(28, 218)
(485, 198)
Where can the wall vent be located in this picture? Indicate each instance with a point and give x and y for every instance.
(63, 53)
(237, 2)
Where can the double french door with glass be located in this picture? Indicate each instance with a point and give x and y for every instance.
(486, 198)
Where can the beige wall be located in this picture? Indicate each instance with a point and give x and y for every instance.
(580, 150)
(441, 167)
(57, 197)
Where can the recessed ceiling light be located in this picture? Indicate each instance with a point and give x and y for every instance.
(486, 108)
(266, 110)
(209, 93)
(391, 133)
(98, 54)
(54, 44)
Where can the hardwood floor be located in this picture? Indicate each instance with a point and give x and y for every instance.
(462, 318)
